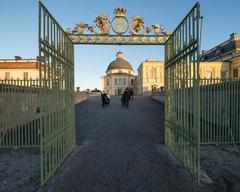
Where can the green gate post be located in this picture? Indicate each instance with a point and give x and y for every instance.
(182, 104)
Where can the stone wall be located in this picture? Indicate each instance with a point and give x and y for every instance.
(81, 96)
(159, 96)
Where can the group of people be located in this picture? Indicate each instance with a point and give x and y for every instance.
(105, 99)
(126, 97)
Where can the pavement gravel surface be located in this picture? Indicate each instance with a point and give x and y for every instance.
(120, 150)
(19, 169)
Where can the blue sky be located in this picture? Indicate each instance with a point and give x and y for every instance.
(19, 29)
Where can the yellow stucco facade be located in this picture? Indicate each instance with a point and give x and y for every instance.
(150, 75)
(22, 69)
(212, 70)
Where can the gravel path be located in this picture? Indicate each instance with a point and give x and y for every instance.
(120, 150)
(19, 170)
(222, 165)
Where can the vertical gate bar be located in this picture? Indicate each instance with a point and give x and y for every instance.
(222, 117)
(211, 107)
(40, 23)
(198, 99)
(214, 109)
(22, 115)
(238, 108)
(224, 111)
(74, 139)
(217, 110)
(237, 85)
(234, 107)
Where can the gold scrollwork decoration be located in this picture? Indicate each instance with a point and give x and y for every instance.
(119, 39)
(135, 39)
(111, 39)
(102, 22)
(100, 31)
(128, 39)
(144, 39)
(152, 39)
(136, 24)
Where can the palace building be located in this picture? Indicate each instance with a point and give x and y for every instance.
(119, 75)
(150, 75)
(220, 62)
(18, 68)
(228, 53)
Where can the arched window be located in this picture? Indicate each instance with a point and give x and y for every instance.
(153, 73)
(124, 81)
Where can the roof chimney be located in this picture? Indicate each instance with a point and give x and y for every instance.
(234, 36)
(18, 58)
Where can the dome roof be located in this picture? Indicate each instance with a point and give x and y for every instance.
(119, 63)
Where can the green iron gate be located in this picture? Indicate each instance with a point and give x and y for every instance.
(19, 119)
(182, 114)
(57, 125)
(46, 105)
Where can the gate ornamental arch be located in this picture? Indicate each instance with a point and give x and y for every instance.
(181, 68)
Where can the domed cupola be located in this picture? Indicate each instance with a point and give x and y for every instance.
(119, 63)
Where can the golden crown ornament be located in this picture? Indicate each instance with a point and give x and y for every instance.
(120, 12)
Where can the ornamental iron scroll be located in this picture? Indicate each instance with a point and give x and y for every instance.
(100, 32)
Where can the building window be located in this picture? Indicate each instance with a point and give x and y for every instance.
(153, 73)
(107, 81)
(235, 72)
(124, 81)
(7, 75)
(115, 81)
(132, 82)
(25, 75)
(209, 75)
(223, 75)
(120, 81)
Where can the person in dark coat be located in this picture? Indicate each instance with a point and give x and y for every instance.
(122, 100)
(104, 99)
(126, 97)
(131, 93)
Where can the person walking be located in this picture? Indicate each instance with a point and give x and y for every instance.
(122, 100)
(126, 97)
(105, 99)
(131, 93)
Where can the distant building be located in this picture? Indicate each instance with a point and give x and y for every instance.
(18, 68)
(150, 75)
(119, 75)
(227, 52)
(212, 70)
